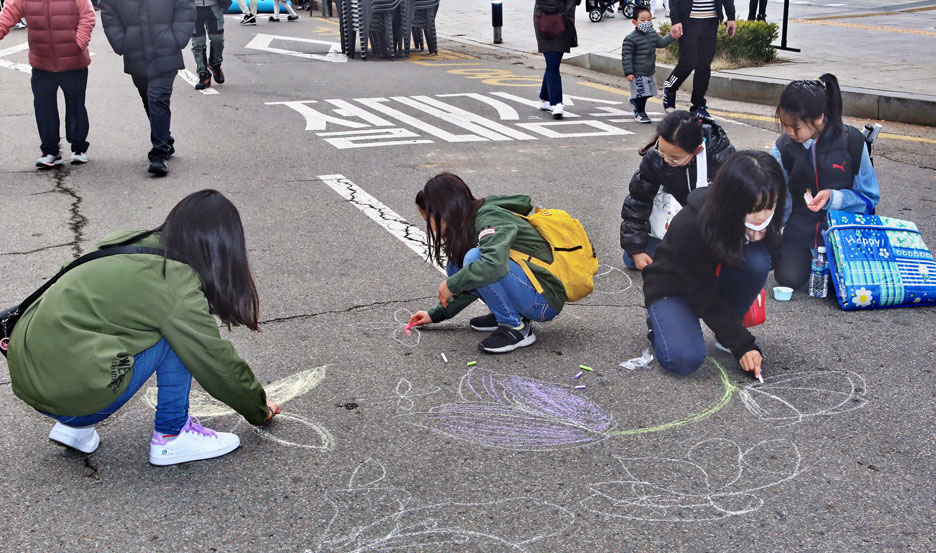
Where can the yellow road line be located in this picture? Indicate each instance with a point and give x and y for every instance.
(865, 27)
(907, 138)
(325, 20)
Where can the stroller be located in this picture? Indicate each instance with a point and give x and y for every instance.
(597, 8)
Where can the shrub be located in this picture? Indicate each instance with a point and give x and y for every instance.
(751, 44)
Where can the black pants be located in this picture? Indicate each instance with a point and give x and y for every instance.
(640, 104)
(156, 93)
(696, 50)
(45, 85)
(753, 12)
(794, 266)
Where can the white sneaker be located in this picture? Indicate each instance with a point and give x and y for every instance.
(193, 443)
(49, 161)
(79, 158)
(544, 105)
(85, 440)
(557, 111)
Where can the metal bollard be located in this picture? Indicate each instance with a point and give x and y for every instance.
(497, 20)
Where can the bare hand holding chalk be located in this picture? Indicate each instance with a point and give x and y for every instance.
(819, 200)
(419, 318)
(751, 362)
(444, 293)
(274, 408)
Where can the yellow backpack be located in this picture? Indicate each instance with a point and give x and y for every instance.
(574, 260)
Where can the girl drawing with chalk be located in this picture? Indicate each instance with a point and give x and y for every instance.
(475, 236)
(713, 262)
(827, 166)
(143, 303)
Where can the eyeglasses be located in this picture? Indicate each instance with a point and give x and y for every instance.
(670, 160)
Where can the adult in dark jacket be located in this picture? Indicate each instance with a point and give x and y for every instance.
(552, 46)
(713, 262)
(673, 161)
(695, 25)
(150, 35)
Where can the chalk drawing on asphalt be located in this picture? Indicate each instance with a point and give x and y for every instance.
(787, 399)
(716, 480)
(612, 280)
(404, 393)
(371, 516)
(396, 328)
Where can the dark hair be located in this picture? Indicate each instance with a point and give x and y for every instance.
(681, 128)
(811, 99)
(747, 182)
(447, 202)
(204, 231)
(640, 8)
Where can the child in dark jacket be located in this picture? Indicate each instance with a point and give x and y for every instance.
(638, 54)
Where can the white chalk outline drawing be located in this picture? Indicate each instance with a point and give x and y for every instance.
(400, 320)
(403, 526)
(657, 489)
(203, 406)
(403, 394)
(605, 270)
(842, 391)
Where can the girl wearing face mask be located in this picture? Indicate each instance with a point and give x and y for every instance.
(827, 166)
(713, 262)
(684, 155)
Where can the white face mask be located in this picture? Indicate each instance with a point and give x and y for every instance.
(646, 26)
(761, 226)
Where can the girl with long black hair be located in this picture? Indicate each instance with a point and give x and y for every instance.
(472, 238)
(827, 166)
(91, 341)
(713, 262)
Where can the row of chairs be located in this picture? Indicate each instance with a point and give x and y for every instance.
(387, 26)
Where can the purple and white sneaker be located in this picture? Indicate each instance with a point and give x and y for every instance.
(194, 443)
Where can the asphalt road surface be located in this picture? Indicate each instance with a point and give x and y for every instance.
(385, 446)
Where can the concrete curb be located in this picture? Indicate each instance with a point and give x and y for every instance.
(859, 102)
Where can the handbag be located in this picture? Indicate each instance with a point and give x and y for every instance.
(551, 25)
(9, 317)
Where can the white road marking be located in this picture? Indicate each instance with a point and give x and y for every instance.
(192, 79)
(263, 43)
(25, 68)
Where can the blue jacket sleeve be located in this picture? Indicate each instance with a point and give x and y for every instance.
(864, 194)
(788, 207)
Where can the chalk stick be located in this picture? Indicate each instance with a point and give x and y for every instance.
(407, 329)
(444, 358)
(579, 375)
(580, 387)
(584, 368)
(471, 363)
(760, 378)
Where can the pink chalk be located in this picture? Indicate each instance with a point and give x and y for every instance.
(407, 329)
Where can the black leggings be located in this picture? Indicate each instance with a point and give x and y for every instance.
(696, 50)
(753, 11)
(794, 266)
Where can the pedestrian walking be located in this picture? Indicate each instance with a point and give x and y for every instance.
(638, 56)
(695, 25)
(102, 329)
(285, 5)
(250, 10)
(757, 10)
(150, 35)
(554, 25)
(209, 19)
(59, 34)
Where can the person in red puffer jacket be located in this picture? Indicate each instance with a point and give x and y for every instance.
(59, 33)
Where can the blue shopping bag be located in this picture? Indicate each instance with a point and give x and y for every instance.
(877, 262)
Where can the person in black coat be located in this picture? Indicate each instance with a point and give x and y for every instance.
(150, 35)
(683, 146)
(713, 263)
(552, 46)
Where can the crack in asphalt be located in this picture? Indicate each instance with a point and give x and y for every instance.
(76, 221)
(407, 228)
(37, 250)
(340, 311)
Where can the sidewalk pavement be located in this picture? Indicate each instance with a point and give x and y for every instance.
(881, 52)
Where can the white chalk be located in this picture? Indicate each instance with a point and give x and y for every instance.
(444, 358)
(760, 378)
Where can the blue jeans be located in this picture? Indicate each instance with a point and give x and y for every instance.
(173, 383)
(552, 81)
(675, 332)
(510, 299)
(652, 244)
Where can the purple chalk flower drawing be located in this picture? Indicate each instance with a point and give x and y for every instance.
(715, 481)
(513, 412)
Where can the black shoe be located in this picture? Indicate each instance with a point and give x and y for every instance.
(204, 81)
(641, 117)
(506, 339)
(217, 73)
(700, 112)
(487, 323)
(159, 167)
(669, 99)
(171, 151)
(273, 19)
(249, 19)
(292, 17)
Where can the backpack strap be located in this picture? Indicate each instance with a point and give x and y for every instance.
(856, 142)
(524, 260)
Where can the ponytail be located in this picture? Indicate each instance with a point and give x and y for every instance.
(809, 100)
(680, 128)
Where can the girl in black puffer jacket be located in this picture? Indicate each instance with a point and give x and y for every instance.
(684, 155)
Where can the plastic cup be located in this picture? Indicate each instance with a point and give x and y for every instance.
(782, 293)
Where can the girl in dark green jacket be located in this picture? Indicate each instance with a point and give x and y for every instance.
(91, 341)
(475, 236)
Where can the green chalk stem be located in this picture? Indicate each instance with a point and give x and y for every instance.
(584, 368)
(470, 363)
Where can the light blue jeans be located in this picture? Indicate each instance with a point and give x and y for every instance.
(173, 382)
(510, 299)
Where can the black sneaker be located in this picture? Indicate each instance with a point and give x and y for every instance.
(292, 17)
(669, 99)
(217, 73)
(487, 323)
(641, 117)
(506, 339)
(700, 112)
(204, 81)
(273, 19)
(171, 151)
(159, 167)
(249, 19)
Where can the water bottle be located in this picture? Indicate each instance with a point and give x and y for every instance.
(819, 276)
